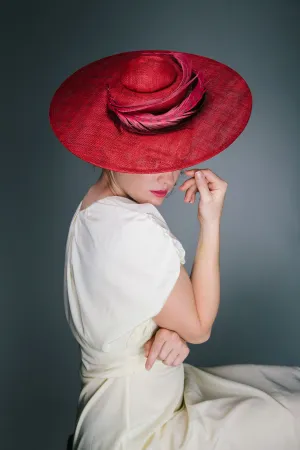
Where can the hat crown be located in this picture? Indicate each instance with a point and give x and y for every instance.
(148, 74)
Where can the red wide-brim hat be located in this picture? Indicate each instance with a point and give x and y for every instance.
(150, 111)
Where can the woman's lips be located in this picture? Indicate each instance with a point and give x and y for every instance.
(160, 193)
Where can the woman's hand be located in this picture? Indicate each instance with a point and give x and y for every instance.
(212, 193)
(167, 346)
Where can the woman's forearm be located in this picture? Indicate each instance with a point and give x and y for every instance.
(205, 275)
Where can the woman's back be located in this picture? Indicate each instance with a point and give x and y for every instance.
(110, 335)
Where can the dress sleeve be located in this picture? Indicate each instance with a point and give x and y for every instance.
(129, 272)
(144, 266)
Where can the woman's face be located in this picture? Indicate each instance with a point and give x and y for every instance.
(139, 186)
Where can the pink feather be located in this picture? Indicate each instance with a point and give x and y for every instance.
(135, 120)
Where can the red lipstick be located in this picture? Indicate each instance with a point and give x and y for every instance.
(159, 193)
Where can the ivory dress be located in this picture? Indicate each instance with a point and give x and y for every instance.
(122, 262)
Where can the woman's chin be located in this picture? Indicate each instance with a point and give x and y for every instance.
(156, 200)
(153, 199)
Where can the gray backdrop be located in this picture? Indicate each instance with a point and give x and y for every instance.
(42, 183)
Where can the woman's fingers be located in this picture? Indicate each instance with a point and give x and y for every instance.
(171, 358)
(166, 354)
(190, 194)
(167, 346)
(153, 353)
(175, 356)
(178, 360)
(191, 189)
(164, 351)
(187, 183)
(148, 345)
(214, 183)
(211, 177)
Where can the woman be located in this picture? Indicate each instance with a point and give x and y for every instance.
(125, 280)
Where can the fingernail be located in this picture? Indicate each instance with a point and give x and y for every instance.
(199, 174)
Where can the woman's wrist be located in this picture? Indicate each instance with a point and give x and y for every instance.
(210, 227)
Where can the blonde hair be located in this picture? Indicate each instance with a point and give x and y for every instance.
(110, 178)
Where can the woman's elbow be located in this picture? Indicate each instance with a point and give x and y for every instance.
(204, 336)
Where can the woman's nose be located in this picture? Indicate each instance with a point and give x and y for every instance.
(169, 177)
